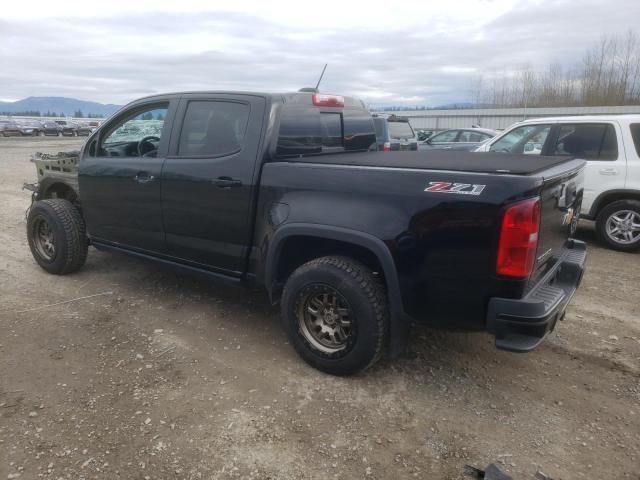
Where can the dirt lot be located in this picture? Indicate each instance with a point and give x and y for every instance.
(162, 375)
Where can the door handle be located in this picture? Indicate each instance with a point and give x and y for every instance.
(226, 182)
(447, 148)
(144, 177)
(609, 171)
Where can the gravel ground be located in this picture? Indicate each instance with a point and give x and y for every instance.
(162, 375)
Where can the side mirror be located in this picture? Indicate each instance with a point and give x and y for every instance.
(428, 141)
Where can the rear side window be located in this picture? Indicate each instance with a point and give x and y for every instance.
(589, 141)
(213, 128)
(635, 133)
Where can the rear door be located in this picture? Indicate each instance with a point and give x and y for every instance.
(207, 180)
(600, 143)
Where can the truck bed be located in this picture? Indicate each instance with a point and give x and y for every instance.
(490, 162)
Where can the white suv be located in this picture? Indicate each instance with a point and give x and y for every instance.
(611, 146)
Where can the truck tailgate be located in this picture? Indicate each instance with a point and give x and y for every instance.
(561, 198)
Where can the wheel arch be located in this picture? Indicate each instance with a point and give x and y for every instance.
(610, 196)
(56, 188)
(356, 239)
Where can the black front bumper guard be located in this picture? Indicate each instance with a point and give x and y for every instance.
(520, 325)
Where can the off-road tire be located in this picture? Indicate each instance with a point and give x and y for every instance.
(69, 234)
(368, 307)
(601, 224)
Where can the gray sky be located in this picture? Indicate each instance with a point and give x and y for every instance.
(384, 52)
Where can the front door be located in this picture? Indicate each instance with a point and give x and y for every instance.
(119, 177)
(207, 181)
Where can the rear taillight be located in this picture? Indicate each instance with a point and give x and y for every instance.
(321, 100)
(519, 239)
(386, 147)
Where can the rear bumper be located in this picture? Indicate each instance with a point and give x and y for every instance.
(520, 325)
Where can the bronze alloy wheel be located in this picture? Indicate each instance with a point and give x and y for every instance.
(324, 318)
(43, 239)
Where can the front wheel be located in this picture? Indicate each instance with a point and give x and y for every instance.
(336, 314)
(618, 225)
(57, 236)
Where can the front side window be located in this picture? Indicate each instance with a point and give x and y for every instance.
(444, 137)
(588, 141)
(136, 135)
(213, 128)
(527, 139)
(474, 137)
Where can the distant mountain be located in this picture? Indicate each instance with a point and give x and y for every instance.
(58, 105)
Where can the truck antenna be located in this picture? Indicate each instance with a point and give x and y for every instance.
(321, 75)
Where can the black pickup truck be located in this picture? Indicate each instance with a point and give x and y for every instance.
(284, 191)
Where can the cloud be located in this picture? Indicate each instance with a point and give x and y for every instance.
(420, 53)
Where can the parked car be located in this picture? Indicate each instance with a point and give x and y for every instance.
(30, 127)
(69, 129)
(611, 146)
(10, 128)
(283, 191)
(458, 139)
(49, 127)
(394, 133)
(84, 129)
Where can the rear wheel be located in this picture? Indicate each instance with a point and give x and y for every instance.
(335, 313)
(57, 236)
(618, 225)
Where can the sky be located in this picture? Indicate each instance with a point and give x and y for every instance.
(387, 53)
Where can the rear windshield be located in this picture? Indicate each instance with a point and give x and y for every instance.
(400, 130)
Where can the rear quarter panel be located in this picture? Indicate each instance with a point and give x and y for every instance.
(443, 244)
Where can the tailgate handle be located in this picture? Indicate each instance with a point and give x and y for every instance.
(609, 171)
(227, 182)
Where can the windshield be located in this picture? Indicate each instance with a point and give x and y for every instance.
(399, 130)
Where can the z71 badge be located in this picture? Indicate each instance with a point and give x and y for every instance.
(459, 188)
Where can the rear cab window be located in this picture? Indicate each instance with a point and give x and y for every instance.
(307, 129)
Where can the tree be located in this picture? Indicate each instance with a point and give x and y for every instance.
(608, 74)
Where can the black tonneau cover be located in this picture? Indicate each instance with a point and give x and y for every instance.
(489, 162)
